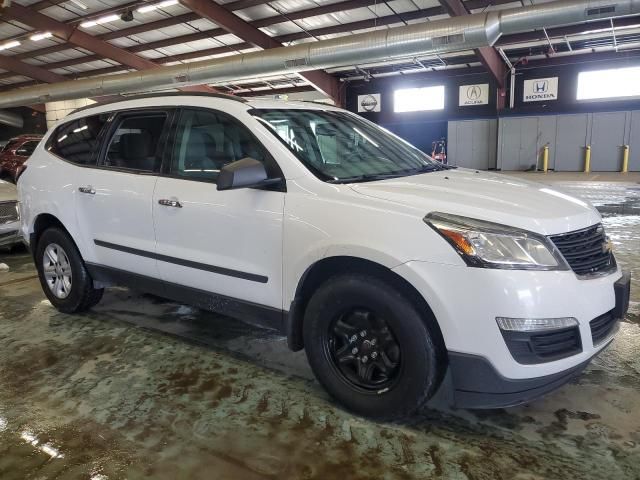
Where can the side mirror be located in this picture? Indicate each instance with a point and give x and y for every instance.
(245, 173)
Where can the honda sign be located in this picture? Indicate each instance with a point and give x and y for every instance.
(540, 89)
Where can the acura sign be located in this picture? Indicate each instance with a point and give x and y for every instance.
(473, 95)
(540, 89)
(369, 103)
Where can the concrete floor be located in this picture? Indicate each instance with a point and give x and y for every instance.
(141, 387)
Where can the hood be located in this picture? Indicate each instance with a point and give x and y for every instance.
(495, 198)
(8, 191)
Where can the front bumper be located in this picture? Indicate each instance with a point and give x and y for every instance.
(10, 234)
(476, 384)
(466, 302)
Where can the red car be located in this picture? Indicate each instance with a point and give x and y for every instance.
(15, 153)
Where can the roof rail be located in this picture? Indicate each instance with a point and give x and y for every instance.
(166, 94)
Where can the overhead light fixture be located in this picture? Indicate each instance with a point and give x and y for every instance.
(99, 21)
(13, 44)
(41, 36)
(126, 16)
(150, 8)
(79, 4)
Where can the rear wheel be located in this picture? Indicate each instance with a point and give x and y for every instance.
(370, 347)
(63, 275)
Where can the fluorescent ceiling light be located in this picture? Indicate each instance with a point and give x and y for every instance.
(150, 8)
(41, 36)
(78, 3)
(8, 45)
(99, 21)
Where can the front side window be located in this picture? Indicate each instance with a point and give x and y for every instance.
(135, 143)
(207, 140)
(341, 147)
(77, 141)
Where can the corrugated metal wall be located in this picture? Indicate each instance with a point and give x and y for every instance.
(472, 143)
(521, 139)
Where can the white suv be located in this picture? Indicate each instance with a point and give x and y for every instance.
(393, 271)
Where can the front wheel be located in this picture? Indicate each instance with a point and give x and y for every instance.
(370, 348)
(63, 275)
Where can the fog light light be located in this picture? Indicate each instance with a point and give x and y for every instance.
(535, 324)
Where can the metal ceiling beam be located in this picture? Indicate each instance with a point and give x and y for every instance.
(342, 28)
(72, 35)
(337, 29)
(76, 37)
(561, 32)
(234, 6)
(488, 56)
(18, 67)
(208, 9)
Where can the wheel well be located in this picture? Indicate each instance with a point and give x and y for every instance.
(43, 221)
(324, 269)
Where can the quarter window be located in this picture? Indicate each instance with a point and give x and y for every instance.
(77, 141)
(206, 141)
(135, 144)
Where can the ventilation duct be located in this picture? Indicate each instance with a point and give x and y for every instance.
(441, 36)
(11, 119)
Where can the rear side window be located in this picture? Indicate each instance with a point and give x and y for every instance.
(135, 143)
(77, 141)
(27, 148)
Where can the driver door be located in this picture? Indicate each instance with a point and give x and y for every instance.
(221, 245)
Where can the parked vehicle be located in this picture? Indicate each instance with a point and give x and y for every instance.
(15, 153)
(397, 274)
(9, 215)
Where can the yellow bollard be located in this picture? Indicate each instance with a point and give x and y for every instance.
(545, 158)
(625, 158)
(587, 159)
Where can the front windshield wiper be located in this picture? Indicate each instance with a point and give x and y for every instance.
(369, 177)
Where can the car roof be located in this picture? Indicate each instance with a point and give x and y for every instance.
(26, 136)
(121, 104)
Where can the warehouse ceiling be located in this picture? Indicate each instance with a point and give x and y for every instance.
(55, 40)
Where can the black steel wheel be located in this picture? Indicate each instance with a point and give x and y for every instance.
(371, 348)
(364, 349)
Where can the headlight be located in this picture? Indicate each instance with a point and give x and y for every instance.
(491, 245)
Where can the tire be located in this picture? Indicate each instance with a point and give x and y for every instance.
(72, 293)
(408, 343)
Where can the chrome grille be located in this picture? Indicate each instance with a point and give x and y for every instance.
(8, 212)
(586, 251)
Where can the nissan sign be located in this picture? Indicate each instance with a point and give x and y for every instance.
(540, 89)
(369, 103)
(473, 95)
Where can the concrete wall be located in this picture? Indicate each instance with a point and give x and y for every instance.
(58, 110)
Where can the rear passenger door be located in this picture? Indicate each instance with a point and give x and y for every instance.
(114, 199)
(227, 243)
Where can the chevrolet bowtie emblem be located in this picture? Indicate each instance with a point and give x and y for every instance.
(607, 245)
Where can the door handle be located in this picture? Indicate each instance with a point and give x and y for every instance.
(170, 203)
(88, 190)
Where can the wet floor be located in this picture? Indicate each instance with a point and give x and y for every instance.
(141, 387)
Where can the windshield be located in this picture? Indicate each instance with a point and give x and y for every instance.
(339, 147)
